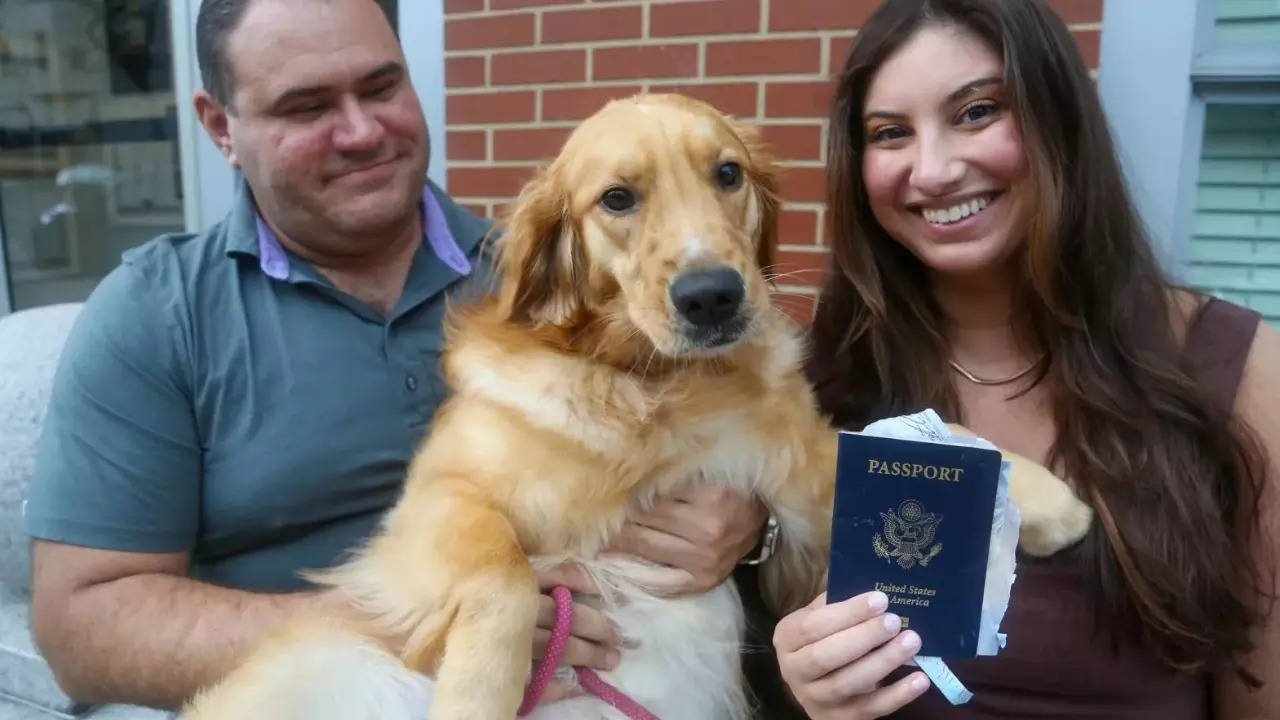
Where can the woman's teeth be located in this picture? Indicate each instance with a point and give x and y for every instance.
(946, 216)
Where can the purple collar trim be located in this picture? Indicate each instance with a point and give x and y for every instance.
(275, 262)
(442, 242)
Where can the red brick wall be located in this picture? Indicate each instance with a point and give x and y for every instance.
(520, 73)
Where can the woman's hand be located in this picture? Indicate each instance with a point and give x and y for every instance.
(835, 657)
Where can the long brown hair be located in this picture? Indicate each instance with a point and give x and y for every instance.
(1174, 481)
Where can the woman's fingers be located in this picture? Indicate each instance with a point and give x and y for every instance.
(890, 699)
(819, 620)
(862, 642)
(865, 675)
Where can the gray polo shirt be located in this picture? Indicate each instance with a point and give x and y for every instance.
(221, 396)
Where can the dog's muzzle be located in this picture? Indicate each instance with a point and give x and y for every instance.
(710, 304)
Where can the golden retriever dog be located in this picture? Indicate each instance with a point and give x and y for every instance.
(630, 345)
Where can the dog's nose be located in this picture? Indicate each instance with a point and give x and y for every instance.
(707, 298)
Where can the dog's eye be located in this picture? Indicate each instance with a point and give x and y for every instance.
(618, 200)
(729, 175)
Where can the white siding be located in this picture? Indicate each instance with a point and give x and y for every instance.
(1247, 22)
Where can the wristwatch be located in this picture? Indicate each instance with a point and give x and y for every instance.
(768, 543)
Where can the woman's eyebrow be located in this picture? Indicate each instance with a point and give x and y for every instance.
(973, 85)
(962, 91)
(886, 114)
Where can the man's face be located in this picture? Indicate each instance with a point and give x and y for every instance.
(325, 123)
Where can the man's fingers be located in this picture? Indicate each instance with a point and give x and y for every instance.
(703, 492)
(559, 689)
(579, 652)
(666, 582)
(588, 622)
(672, 517)
(591, 624)
(660, 547)
(820, 620)
(576, 651)
(570, 575)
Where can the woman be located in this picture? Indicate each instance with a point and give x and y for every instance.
(989, 264)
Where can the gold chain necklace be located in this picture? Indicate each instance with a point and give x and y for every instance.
(1002, 381)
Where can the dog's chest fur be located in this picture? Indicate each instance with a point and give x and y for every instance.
(595, 443)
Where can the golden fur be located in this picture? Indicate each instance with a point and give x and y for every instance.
(579, 395)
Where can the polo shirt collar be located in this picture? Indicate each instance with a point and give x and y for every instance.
(450, 232)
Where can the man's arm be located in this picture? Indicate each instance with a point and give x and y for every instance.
(131, 627)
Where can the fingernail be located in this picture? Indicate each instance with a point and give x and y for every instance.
(611, 659)
(630, 643)
(892, 623)
(910, 641)
(919, 682)
(878, 601)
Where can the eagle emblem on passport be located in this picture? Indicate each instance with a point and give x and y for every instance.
(908, 535)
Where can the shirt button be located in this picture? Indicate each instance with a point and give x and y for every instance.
(411, 382)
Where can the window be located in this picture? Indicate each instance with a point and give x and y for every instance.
(89, 161)
(1235, 242)
(1201, 149)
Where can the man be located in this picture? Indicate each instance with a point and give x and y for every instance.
(238, 405)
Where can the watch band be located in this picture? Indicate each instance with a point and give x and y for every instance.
(768, 543)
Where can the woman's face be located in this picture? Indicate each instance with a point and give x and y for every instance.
(944, 166)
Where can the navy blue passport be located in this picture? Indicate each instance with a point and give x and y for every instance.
(913, 520)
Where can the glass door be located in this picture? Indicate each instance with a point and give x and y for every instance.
(100, 148)
(89, 160)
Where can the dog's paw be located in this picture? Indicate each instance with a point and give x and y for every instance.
(1046, 536)
(1053, 517)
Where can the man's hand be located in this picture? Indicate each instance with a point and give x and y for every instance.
(700, 533)
(593, 640)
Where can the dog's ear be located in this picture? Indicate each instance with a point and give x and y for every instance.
(763, 172)
(541, 257)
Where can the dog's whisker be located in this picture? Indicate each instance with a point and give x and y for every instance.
(798, 275)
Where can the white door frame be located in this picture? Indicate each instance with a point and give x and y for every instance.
(6, 306)
(422, 25)
(207, 181)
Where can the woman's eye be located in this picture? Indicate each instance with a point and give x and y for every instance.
(887, 133)
(729, 175)
(618, 200)
(978, 112)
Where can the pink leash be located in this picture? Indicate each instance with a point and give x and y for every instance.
(587, 678)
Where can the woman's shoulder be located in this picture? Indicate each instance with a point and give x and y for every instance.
(1190, 311)
(1206, 324)
(1216, 341)
(1260, 386)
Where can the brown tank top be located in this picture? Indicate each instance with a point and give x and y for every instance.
(1058, 663)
